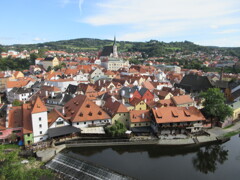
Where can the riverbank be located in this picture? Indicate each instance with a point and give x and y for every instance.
(215, 134)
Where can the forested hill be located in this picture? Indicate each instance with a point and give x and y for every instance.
(151, 48)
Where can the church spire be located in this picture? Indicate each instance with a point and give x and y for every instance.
(114, 43)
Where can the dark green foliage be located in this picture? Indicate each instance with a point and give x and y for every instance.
(14, 64)
(151, 48)
(214, 104)
(16, 103)
(12, 169)
(118, 129)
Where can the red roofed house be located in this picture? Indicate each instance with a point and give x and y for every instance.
(82, 112)
(170, 120)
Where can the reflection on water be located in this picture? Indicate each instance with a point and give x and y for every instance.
(207, 159)
(215, 161)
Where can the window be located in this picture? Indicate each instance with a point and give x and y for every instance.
(1, 133)
(59, 122)
(85, 122)
(40, 125)
(40, 119)
(28, 134)
(40, 132)
(16, 131)
(77, 123)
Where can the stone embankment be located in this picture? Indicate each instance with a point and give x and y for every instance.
(215, 134)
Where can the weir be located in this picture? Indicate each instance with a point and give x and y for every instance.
(73, 168)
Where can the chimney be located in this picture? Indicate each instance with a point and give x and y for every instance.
(63, 111)
(143, 115)
(123, 101)
(122, 92)
(46, 93)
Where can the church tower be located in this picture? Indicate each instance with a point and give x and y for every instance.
(115, 53)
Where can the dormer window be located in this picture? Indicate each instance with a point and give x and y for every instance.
(81, 114)
(90, 113)
(88, 106)
(99, 113)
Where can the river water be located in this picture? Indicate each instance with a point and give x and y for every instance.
(215, 161)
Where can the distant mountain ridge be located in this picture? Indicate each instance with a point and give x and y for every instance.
(151, 48)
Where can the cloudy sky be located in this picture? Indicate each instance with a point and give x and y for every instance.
(205, 22)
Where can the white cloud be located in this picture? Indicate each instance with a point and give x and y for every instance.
(228, 31)
(39, 39)
(146, 19)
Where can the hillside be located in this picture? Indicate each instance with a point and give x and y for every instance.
(151, 48)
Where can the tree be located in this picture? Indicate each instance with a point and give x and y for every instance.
(118, 129)
(49, 68)
(12, 168)
(214, 105)
(16, 103)
(33, 56)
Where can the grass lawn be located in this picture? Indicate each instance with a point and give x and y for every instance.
(229, 126)
(230, 134)
(9, 146)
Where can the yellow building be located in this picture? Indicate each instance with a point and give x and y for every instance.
(236, 110)
(50, 61)
(117, 111)
(137, 104)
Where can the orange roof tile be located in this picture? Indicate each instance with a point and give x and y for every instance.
(39, 106)
(15, 117)
(27, 120)
(81, 109)
(137, 116)
(177, 114)
(184, 99)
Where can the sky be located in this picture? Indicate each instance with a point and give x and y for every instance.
(204, 22)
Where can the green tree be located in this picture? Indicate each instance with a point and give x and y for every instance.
(214, 105)
(49, 68)
(16, 103)
(12, 168)
(118, 129)
(33, 56)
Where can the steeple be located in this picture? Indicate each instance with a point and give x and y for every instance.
(114, 42)
(115, 53)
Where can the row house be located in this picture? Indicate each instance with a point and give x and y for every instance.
(174, 120)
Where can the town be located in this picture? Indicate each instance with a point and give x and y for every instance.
(65, 96)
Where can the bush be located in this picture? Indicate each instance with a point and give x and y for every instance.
(116, 130)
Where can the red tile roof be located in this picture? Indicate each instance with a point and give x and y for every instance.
(39, 106)
(137, 116)
(177, 114)
(81, 109)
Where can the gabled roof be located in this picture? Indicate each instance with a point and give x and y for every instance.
(114, 107)
(39, 106)
(27, 120)
(53, 116)
(184, 99)
(195, 83)
(15, 117)
(107, 51)
(138, 116)
(177, 114)
(81, 109)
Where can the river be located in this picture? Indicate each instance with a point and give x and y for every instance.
(215, 161)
